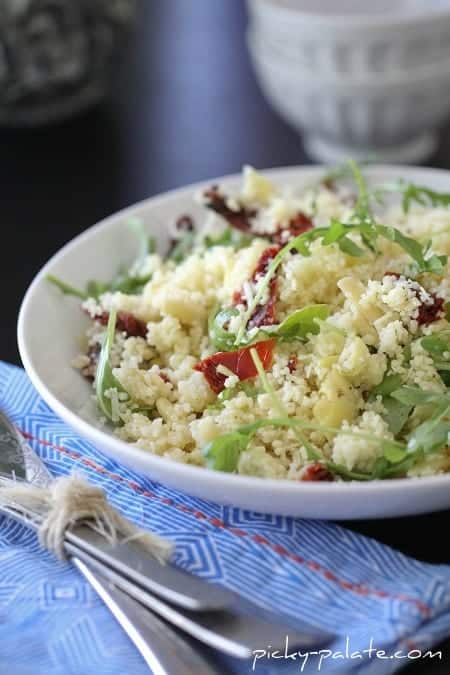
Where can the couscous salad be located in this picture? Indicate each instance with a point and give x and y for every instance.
(294, 333)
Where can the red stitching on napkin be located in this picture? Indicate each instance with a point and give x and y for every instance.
(360, 589)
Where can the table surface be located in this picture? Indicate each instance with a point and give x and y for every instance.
(185, 107)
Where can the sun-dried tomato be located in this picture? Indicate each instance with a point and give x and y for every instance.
(329, 184)
(240, 363)
(428, 311)
(185, 223)
(125, 322)
(299, 224)
(164, 377)
(292, 363)
(240, 218)
(264, 315)
(316, 472)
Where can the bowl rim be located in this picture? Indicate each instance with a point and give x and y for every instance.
(347, 21)
(252, 484)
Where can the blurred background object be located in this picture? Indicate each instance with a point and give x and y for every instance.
(58, 57)
(360, 79)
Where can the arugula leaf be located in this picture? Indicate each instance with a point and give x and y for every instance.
(65, 288)
(227, 394)
(129, 281)
(220, 337)
(311, 450)
(433, 434)
(414, 249)
(147, 244)
(396, 415)
(104, 378)
(390, 383)
(183, 247)
(362, 212)
(435, 345)
(393, 454)
(222, 454)
(347, 474)
(438, 346)
(126, 281)
(430, 436)
(229, 237)
(302, 322)
(350, 248)
(415, 396)
(396, 412)
(128, 284)
(96, 288)
(417, 193)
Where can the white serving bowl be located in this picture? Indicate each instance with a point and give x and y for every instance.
(50, 325)
(356, 84)
(349, 38)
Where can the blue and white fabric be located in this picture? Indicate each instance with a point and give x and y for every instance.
(364, 592)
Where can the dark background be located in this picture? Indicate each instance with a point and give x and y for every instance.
(185, 106)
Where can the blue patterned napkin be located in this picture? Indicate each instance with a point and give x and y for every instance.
(372, 597)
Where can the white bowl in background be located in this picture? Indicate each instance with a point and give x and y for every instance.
(370, 83)
(355, 37)
(50, 325)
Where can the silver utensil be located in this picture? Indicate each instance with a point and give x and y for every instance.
(228, 622)
(164, 651)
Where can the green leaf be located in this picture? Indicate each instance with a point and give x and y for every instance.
(430, 436)
(96, 288)
(396, 412)
(393, 453)
(220, 337)
(350, 248)
(362, 212)
(67, 289)
(302, 322)
(129, 285)
(222, 454)
(311, 451)
(435, 345)
(228, 237)
(396, 415)
(442, 365)
(347, 474)
(419, 194)
(414, 249)
(183, 248)
(411, 246)
(334, 232)
(227, 394)
(104, 378)
(388, 384)
(147, 244)
(125, 282)
(415, 396)
(379, 468)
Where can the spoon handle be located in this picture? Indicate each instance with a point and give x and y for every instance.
(164, 651)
